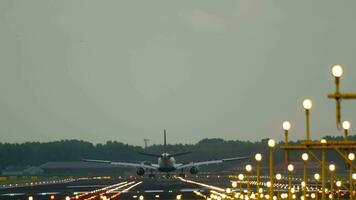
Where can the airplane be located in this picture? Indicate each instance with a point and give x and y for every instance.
(166, 162)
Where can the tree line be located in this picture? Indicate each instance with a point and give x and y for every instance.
(36, 153)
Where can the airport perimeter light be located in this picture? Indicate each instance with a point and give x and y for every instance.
(271, 144)
(346, 125)
(337, 72)
(305, 158)
(332, 169)
(278, 177)
(241, 178)
(286, 127)
(317, 178)
(258, 158)
(351, 157)
(234, 184)
(290, 171)
(307, 105)
(248, 171)
(338, 185)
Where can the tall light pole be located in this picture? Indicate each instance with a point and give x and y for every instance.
(258, 158)
(351, 157)
(286, 127)
(337, 73)
(338, 185)
(241, 178)
(305, 158)
(353, 180)
(290, 171)
(307, 105)
(346, 125)
(323, 174)
(248, 171)
(278, 177)
(317, 178)
(332, 169)
(271, 144)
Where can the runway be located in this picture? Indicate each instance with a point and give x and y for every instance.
(114, 188)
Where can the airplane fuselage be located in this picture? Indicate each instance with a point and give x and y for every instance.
(166, 163)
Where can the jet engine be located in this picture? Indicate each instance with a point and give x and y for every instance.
(193, 170)
(140, 171)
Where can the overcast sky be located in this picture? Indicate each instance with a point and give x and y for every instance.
(125, 70)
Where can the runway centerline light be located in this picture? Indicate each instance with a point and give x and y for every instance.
(337, 71)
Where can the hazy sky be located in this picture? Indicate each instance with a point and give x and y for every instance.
(124, 70)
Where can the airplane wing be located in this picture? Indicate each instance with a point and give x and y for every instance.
(124, 164)
(195, 164)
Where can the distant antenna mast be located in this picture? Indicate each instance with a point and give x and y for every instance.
(146, 142)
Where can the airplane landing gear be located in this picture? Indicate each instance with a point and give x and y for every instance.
(152, 175)
(181, 174)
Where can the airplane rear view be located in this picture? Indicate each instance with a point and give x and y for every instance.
(166, 162)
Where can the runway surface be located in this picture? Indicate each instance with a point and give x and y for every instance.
(134, 188)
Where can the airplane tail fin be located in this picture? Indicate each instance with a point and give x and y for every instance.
(165, 141)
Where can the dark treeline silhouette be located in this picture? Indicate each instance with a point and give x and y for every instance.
(36, 153)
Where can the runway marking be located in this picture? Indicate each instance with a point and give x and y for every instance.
(83, 195)
(189, 189)
(115, 189)
(85, 186)
(202, 184)
(124, 191)
(152, 191)
(13, 194)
